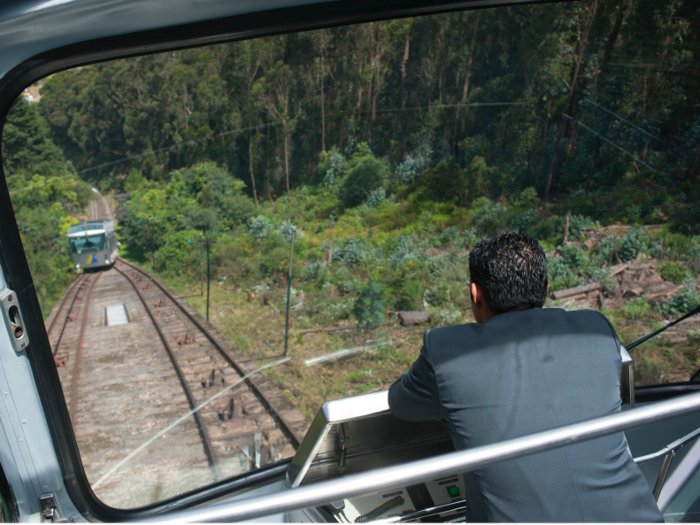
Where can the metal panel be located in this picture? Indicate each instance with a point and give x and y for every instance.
(26, 449)
(115, 315)
(358, 434)
(454, 463)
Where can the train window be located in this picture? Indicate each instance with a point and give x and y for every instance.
(282, 218)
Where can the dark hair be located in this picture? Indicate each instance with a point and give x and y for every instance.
(512, 270)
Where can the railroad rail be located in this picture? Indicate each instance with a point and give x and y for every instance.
(125, 383)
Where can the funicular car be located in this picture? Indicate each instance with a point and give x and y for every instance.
(93, 244)
(357, 462)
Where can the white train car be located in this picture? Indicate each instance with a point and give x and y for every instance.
(93, 244)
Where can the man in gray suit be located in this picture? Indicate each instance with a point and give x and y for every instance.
(518, 370)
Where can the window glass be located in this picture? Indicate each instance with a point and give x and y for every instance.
(87, 243)
(380, 154)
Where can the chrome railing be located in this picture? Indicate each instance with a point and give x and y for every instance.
(668, 453)
(444, 465)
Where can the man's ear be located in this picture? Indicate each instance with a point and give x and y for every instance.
(477, 295)
(547, 285)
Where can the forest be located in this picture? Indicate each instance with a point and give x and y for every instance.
(390, 149)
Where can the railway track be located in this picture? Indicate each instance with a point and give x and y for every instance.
(125, 383)
(100, 208)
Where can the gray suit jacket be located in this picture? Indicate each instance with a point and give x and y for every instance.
(523, 372)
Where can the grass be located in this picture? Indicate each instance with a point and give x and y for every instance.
(257, 331)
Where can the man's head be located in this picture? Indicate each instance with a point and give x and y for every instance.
(510, 273)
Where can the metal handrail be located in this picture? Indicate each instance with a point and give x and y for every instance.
(668, 448)
(668, 453)
(438, 466)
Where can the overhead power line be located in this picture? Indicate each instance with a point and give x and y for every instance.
(179, 145)
(637, 159)
(623, 120)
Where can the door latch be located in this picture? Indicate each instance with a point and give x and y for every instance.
(13, 320)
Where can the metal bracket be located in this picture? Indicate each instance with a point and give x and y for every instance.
(13, 320)
(343, 449)
(49, 509)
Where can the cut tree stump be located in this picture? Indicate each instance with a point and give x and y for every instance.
(577, 290)
(411, 318)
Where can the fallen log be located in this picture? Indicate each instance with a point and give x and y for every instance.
(410, 318)
(577, 290)
(330, 329)
(619, 268)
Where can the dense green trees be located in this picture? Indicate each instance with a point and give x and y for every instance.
(557, 97)
(44, 188)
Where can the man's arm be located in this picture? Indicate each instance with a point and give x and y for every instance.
(414, 396)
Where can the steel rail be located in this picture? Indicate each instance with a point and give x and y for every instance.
(64, 298)
(77, 289)
(201, 428)
(444, 465)
(75, 376)
(285, 426)
(668, 448)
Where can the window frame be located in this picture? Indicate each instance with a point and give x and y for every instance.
(13, 260)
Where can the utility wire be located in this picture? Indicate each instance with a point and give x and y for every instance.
(180, 145)
(623, 120)
(441, 106)
(260, 126)
(610, 142)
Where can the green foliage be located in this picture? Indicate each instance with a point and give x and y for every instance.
(488, 219)
(365, 174)
(673, 271)
(352, 252)
(410, 296)
(332, 166)
(637, 308)
(260, 227)
(444, 181)
(287, 229)
(43, 188)
(522, 221)
(414, 165)
(683, 302)
(370, 304)
(376, 197)
(635, 242)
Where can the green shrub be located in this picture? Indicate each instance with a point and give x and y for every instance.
(490, 219)
(672, 271)
(522, 221)
(470, 238)
(410, 296)
(332, 167)
(634, 243)
(352, 252)
(366, 174)
(692, 255)
(449, 236)
(444, 181)
(637, 308)
(370, 304)
(376, 198)
(547, 229)
(286, 231)
(685, 301)
(313, 270)
(260, 227)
